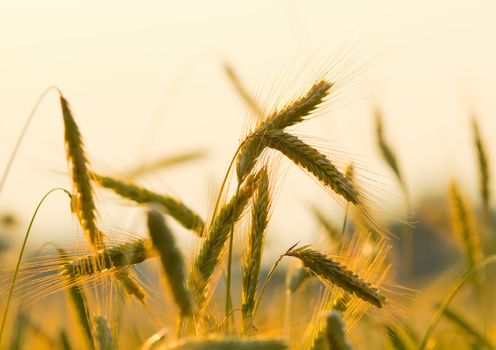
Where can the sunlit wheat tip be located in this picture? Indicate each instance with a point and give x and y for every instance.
(293, 113)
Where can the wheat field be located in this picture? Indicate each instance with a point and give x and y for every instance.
(168, 275)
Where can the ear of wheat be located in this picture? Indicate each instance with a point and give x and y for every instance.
(175, 208)
(293, 113)
(253, 251)
(214, 243)
(333, 273)
(172, 261)
(83, 202)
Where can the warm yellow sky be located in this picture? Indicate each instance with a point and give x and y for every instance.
(122, 65)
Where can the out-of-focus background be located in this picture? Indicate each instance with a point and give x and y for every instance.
(146, 80)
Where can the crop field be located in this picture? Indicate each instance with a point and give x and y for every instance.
(166, 274)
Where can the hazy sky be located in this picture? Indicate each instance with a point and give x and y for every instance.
(125, 66)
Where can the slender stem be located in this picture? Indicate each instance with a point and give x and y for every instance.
(229, 268)
(446, 302)
(21, 253)
(6, 171)
(269, 276)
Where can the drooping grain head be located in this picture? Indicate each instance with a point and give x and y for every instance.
(315, 162)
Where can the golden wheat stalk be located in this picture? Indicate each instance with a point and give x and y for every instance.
(332, 273)
(483, 161)
(172, 206)
(253, 252)
(293, 113)
(172, 261)
(213, 246)
(464, 226)
(83, 201)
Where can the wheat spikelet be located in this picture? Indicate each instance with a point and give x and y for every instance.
(335, 335)
(463, 224)
(484, 175)
(293, 113)
(253, 251)
(119, 257)
(83, 202)
(175, 208)
(331, 272)
(228, 343)
(172, 261)
(215, 240)
(313, 161)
